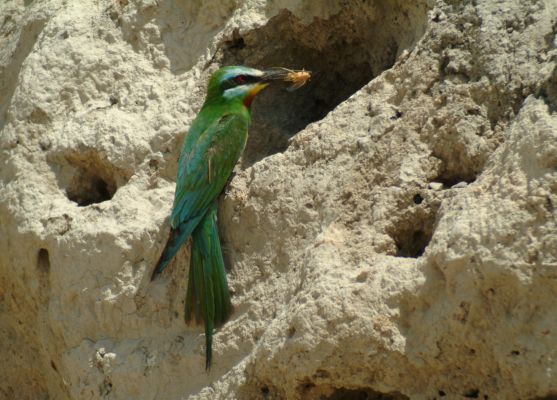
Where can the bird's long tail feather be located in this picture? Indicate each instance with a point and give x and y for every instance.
(178, 236)
(207, 298)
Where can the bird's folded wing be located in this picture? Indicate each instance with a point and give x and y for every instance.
(205, 169)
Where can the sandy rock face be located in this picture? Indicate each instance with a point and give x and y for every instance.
(390, 232)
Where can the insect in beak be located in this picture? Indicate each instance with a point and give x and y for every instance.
(296, 78)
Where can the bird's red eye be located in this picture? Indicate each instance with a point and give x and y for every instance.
(241, 79)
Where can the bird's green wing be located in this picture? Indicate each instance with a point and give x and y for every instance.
(205, 169)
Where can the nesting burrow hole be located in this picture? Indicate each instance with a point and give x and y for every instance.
(548, 91)
(364, 394)
(412, 231)
(413, 241)
(456, 166)
(308, 390)
(343, 52)
(86, 177)
(449, 181)
(43, 261)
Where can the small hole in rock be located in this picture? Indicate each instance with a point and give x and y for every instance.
(95, 190)
(53, 366)
(265, 390)
(450, 180)
(550, 396)
(43, 261)
(412, 243)
(412, 231)
(322, 374)
(441, 393)
(397, 115)
(291, 331)
(114, 15)
(237, 42)
(87, 178)
(472, 394)
(548, 91)
(39, 116)
(362, 276)
(364, 394)
(153, 164)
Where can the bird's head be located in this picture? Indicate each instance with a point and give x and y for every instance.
(239, 83)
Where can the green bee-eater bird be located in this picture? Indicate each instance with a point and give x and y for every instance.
(212, 147)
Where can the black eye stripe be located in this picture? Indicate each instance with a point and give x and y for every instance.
(243, 79)
(239, 80)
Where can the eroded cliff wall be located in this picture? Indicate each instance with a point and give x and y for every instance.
(390, 231)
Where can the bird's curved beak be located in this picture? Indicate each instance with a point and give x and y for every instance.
(274, 74)
(297, 78)
(269, 76)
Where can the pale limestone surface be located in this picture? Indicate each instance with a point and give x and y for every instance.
(390, 232)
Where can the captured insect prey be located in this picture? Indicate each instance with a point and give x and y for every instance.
(298, 79)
